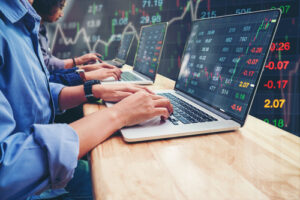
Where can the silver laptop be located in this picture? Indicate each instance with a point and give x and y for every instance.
(222, 64)
(147, 57)
(126, 42)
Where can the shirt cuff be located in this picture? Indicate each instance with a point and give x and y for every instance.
(61, 144)
(55, 89)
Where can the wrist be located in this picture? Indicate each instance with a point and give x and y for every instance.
(89, 90)
(77, 61)
(98, 91)
(89, 76)
(118, 117)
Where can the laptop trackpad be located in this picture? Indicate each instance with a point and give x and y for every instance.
(152, 122)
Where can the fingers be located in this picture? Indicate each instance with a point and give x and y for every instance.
(118, 72)
(119, 96)
(163, 112)
(145, 89)
(98, 55)
(164, 103)
(93, 57)
(113, 75)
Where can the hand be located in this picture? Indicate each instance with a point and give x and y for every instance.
(103, 73)
(93, 67)
(88, 58)
(142, 106)
(115, 93)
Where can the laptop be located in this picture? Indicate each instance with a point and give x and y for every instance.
(147, 57)
(222, 64)
(126, 42)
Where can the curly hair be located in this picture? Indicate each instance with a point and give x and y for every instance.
(46, 7)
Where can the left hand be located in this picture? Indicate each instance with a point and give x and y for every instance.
(88, 58)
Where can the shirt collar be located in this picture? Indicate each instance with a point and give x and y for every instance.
(15, 10)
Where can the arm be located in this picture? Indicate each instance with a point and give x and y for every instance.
(51, 62)
(70, 97)
(141, 106)
(66, 77)
(138, 104)
(34, 158)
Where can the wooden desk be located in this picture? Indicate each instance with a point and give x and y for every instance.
(257, 162)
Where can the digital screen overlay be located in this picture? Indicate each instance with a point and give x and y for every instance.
(224, 58)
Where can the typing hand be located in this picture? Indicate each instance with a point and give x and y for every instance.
(115, 93)
(142, 106)
(103, 73)
(88, 58)
(97, 66)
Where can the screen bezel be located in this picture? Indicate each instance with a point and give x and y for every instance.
(160, 54)
(243, 119)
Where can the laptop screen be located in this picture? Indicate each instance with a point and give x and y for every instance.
(224, 58)
(149, 49)
(126, 42)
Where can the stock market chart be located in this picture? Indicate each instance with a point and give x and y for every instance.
(149, 49)
(98, 25)
(224, 58)
(126, 42)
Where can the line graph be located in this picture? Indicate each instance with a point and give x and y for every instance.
(92, 48)
(75, 36)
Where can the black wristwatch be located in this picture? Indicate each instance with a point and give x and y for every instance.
(88, 90)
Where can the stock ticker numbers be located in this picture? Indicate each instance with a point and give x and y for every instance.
(222, 61)
(97, 25)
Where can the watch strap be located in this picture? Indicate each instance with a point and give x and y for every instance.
(88, 90)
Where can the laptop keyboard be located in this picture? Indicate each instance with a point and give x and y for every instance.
(186, 113)
(127, 76)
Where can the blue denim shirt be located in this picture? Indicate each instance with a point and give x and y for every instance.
(56, 66)
(35, 154)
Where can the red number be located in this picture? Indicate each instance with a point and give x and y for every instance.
(281, 65)
(281, 46)
(281, 84)
(252, 61)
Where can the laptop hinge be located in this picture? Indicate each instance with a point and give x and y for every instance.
(118, 60)
(211, 109)
(142, 75)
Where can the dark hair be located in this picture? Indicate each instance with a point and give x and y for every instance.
(46, 7)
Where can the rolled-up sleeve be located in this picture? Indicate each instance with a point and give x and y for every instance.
(55, 90)
(53, 63)
(36, 158)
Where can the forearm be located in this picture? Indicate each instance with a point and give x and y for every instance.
(68, 63)
(71, 97)
(96, 128)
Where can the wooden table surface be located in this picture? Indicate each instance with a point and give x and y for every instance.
(257, 162)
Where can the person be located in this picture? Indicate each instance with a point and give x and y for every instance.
(35, 154)
(66, 71)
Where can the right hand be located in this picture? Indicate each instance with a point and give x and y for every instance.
(142, 106)
(103, 73)
(117, 92)
(97, 66)
(88, 58)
